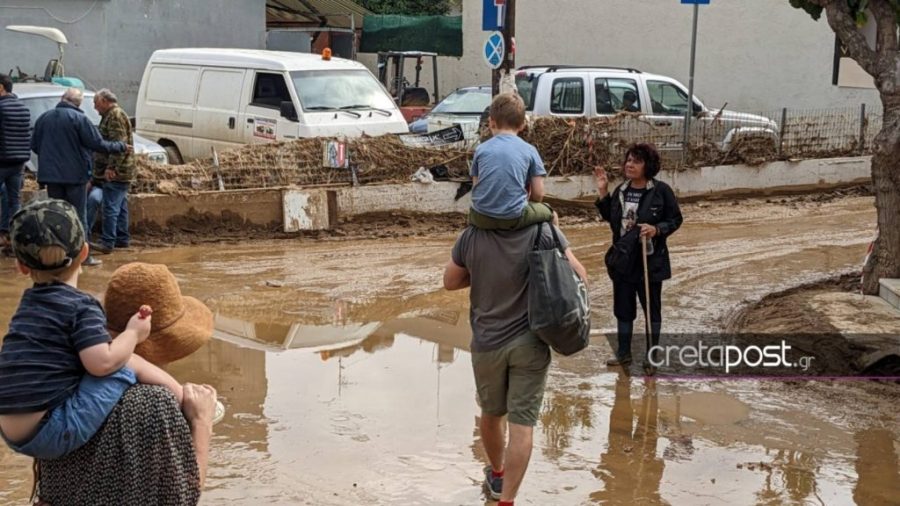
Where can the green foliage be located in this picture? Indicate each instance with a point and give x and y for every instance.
(813, 10)
(408, 7)
(857, 9)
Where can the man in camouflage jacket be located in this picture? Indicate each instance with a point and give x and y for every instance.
(113, 173)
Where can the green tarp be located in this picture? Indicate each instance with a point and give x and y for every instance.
(436, 34)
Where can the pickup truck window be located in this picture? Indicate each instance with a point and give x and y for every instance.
(604, 100)
(270, 90)
(624, 95)
(525, 85)
(567, 96)
(667, 98)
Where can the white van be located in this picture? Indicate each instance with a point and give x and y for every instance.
(194, 99)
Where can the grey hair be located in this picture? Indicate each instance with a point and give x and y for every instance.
(108, 96)
(73, 96)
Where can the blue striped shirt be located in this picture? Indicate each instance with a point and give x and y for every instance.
(39, 363)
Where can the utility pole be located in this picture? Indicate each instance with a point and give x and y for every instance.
(509, 35)
(689, 113)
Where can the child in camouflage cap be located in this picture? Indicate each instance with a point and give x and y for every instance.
(61, 373)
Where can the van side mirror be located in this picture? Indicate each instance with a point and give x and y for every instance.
(288, 111)
(698, 109)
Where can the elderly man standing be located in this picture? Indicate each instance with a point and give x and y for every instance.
(113, 173)
(64, 140)
(15, 140)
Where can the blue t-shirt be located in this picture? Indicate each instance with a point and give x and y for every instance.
(504, 166)
(39, 363)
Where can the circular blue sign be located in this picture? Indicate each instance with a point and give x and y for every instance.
(494, 50)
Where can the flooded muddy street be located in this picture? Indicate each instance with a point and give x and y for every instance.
(345, 371)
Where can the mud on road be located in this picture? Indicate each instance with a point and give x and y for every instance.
(204, 228)
(346, 373)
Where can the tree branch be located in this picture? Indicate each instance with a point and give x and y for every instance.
(886, 38)
(843, 23)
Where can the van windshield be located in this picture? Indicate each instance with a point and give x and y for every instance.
(323, 90)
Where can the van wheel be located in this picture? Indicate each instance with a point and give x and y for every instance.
(174, 155)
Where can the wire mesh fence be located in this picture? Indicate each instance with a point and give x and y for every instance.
(567, 146)
(575, 145)
(300, 162)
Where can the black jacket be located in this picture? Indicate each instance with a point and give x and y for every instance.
(15, 131)
(658, 207)
(64, 140)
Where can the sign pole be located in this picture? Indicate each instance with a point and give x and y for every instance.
(509, 34)
(689, 113)
(499, 17)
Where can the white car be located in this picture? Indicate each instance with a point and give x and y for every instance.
(42, 97)
(463, 107)
(193, 100)
(575, 91)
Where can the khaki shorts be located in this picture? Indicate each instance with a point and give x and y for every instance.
(511, 380)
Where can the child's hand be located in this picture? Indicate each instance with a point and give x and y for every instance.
(140, 324)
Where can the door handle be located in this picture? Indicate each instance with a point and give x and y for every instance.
(249, 120)
(663, 123)
(231, 123)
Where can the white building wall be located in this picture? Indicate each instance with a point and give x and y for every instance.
(756, 55)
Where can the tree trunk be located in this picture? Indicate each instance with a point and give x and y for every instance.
(884, 262)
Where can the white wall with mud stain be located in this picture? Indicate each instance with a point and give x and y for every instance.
(319, 208)
(721, 180)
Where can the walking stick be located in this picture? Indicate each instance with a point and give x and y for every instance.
(648, 368)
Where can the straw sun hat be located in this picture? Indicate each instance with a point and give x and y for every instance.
(180, 324)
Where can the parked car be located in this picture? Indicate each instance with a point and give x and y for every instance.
(464, 107)
(574, 91)
(191, 100)
(41, 97)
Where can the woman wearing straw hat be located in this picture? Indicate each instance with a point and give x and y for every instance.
(150, 450)
(641, 209)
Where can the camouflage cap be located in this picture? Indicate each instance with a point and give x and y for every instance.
(45, 223)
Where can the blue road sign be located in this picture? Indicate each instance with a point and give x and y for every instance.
(494, 50)
(697, 2)
(494, 15)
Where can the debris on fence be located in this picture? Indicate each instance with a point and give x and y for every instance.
(568, 146)
(377, 159)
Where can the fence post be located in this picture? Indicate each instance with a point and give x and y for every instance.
(862, 128)
(781, 131)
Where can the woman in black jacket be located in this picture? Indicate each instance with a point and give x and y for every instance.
(647, 207)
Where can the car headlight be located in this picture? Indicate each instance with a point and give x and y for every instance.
(160, 158)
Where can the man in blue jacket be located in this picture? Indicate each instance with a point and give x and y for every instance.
(15, 150)
(64, 140)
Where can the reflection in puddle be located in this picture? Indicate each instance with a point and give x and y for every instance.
(630, 469)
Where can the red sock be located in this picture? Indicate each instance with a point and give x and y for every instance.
(505, 503)
(496, 474)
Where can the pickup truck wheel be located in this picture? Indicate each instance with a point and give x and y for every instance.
(174, 155)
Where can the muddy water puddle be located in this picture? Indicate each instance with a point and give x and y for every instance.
(348, 381)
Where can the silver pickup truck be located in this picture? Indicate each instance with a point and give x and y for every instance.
(575, 91)
(41, 97)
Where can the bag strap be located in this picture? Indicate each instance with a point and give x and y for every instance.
(557, 244)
